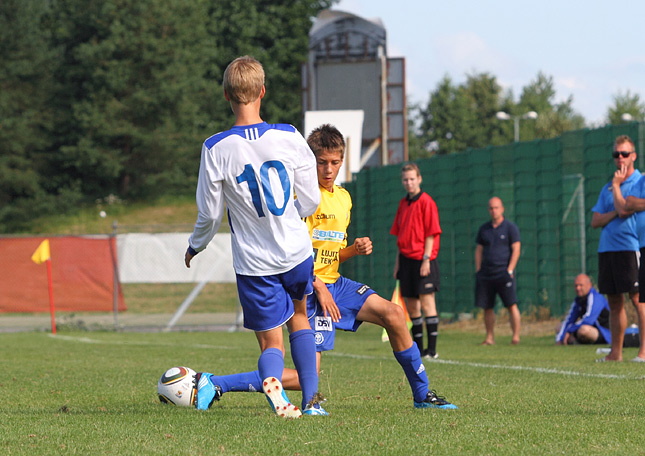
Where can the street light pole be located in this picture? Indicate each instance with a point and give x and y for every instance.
(501, 115)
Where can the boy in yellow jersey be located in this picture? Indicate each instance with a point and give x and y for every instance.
(338, 302)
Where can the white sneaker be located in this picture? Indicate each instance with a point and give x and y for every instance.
(278, 399)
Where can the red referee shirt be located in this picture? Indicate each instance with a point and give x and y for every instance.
(416, 219)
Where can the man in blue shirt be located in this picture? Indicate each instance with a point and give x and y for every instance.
(496, 255)
(588, 319)
(633, 202)
(618, 247)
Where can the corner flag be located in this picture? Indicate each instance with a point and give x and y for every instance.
(40, 256)
(399, 301)
(42, 253)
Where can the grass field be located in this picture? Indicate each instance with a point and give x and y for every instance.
(95, 393)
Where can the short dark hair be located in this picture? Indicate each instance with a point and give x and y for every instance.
(326, 137)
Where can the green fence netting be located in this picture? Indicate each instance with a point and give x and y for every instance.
(548, 188)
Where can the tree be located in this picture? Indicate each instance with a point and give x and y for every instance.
(25, 120)
(553, 118)
(132, 86)
(626, 103)
(443, 118)
(459, 117)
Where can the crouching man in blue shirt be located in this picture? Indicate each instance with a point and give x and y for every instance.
(588, 319)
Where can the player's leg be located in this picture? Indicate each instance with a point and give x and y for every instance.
(640, 310)
(485, 299)
(270, 367)
(505, 288)
(587, 334)
(389, 316)
(489, 325)
(385, 313)
(639, 303)
(408, 281)
(514, 320)
(298, 282)
(413, 305)
(617, 325)
(427, 288)
(429, 308)
(250, 382)
(303, 350)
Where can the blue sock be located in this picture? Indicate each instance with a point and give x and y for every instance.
(303, 353)
(271, 364)
(245, 381)
(415, 371)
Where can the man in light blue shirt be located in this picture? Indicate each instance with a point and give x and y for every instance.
(633, 202)
(618, 251)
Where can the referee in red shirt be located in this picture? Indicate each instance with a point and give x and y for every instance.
(416, 226)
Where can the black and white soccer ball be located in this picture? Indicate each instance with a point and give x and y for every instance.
(177, 386)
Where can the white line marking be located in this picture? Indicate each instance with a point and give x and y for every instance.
(542, 370)
(87, 340)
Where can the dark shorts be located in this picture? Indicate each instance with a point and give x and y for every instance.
(412, 284)
(641, 277)
(618, 272)
(486, 289)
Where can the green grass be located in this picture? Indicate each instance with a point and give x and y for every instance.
(94, 393)
(166, 214)
(149, 298)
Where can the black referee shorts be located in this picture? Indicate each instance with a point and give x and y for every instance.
(411, 282)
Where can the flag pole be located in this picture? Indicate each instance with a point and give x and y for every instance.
(51, 295)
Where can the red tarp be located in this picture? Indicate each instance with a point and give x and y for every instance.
(82, 275)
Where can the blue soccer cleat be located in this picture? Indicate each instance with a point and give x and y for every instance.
(314, 407)
(434, 401)
(207, 392)
(278, 399)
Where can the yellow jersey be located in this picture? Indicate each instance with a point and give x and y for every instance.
(328, 231)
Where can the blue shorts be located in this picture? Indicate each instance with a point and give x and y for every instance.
(267, 300)
(349, 296)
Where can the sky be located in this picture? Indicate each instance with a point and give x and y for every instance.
(593, 49)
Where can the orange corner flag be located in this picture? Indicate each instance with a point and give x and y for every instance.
(399, 301)
(42, 253)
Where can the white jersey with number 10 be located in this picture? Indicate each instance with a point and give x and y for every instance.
(254, 170)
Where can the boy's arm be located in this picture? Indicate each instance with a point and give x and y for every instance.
(361, 246)
(306, 186)
(326, 300)
(210, 209)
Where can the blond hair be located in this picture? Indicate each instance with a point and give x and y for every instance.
(243, 80)
(411, 167)
(624, 139)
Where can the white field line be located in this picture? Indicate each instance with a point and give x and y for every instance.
(542, 370)
(87, 340)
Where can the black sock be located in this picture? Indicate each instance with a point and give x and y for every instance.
(432, 326)
(417, 333)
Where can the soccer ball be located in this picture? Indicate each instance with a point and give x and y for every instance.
(177, 386)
